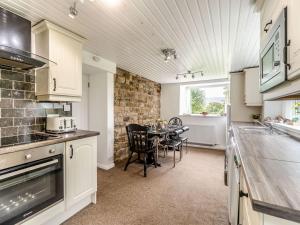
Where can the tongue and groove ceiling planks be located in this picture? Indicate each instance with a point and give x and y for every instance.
(216, 36)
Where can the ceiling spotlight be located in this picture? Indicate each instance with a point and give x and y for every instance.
(73, 11)
(169, 53)
(189, 73)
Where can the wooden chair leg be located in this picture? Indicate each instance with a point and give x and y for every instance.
(145, 165)
(128, 161)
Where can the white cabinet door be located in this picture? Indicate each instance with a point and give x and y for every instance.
(294, 37)
(253, 97)
(67, 74)
(269, 13)
(81, 169)
(61, 80)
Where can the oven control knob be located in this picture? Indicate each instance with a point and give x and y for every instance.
(52, 150)
(28, 156)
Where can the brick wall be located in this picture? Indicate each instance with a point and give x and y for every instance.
(137, 100)
(21, 114)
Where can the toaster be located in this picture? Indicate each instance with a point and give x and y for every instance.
(57, 124)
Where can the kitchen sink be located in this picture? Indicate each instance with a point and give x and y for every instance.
(259, 130)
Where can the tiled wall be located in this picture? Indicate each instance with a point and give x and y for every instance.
(20, 112)
(137, 100)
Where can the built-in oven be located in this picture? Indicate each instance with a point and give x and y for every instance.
(273, 56)
(30, 181)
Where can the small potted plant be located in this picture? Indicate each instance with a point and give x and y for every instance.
(256, 117)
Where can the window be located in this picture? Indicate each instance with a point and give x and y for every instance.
(198, 99)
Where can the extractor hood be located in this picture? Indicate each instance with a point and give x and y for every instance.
(15, 43)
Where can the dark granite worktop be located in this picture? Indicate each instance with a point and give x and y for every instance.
(271, 164)
(62, 138)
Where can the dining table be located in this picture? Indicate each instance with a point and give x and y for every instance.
(157, 133)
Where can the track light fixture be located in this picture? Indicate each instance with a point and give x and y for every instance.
(168, 54)
(185, 75)
(73, 12)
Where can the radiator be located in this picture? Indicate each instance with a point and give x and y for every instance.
(201, 134)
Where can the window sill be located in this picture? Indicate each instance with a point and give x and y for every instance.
(290, 129)
(202, 116)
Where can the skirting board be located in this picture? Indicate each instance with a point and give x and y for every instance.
(105, 166)
(215, 147)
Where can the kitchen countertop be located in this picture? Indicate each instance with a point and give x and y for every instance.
(271, 164)
(63, 138)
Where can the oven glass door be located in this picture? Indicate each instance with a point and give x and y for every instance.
(267, 64)
(29, 188)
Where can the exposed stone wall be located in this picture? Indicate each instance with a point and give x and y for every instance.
(137, 100)
(21, 114)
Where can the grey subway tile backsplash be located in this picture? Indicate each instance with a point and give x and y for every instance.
(24, 86)
(18, 94)
(6, 103)
(24, 121)
(6, 122)
(9, 131)
(12, 113)
(11, 75)
(21, 114)
(7, 84)
(5, 93)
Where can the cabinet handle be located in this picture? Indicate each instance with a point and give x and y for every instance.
(243, 194)
(285, 55)
(54, 84)
(72, 152)
(266, 28)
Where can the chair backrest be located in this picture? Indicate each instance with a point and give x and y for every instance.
(175, 121)
(137, 137)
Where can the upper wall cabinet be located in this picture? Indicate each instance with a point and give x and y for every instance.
(62, 79)
(293, 35)
(269, 14)
(253, 97)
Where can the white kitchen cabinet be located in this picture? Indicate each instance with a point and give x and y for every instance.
(61, 80)
(269, 13)
(248, 216)
(293, 34)
(253, 97)
(81, 169)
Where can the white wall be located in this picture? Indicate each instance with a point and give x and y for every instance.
(101, 116)
(170, 107)
(239, 111)
(80, 109)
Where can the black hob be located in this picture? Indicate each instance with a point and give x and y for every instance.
(26, 139)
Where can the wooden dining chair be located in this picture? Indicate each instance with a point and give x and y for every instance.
(140, 143)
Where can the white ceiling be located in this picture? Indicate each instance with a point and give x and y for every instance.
(216, 36)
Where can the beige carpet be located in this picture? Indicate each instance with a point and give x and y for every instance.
(191, 193)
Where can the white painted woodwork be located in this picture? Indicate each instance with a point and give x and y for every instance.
(294, 37)
(247, 214)
(270, 11)
(253, 97)
(210, 35)
(81, 169)
(239, 110)
(62, 80)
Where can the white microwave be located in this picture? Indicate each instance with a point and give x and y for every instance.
(273, 66)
